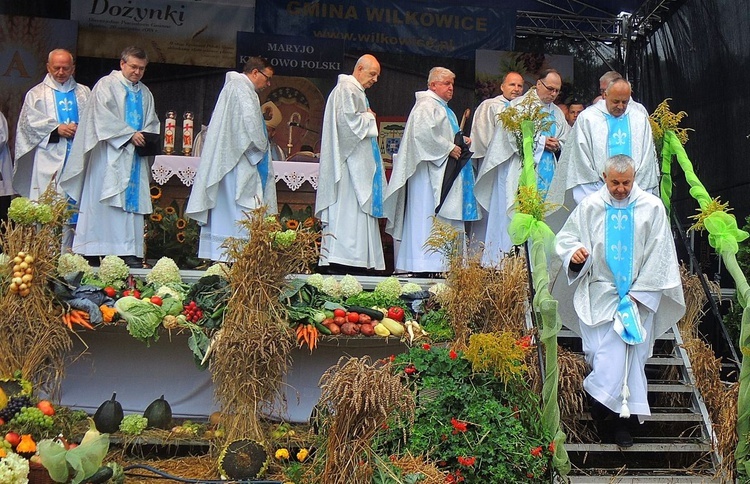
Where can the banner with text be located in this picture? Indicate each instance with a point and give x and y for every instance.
(393, 26)
(293, 56)
(200, 33)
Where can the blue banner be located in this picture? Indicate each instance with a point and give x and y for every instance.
(293, 56)
(390, 26)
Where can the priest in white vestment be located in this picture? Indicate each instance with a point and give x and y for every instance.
(47, 125)
(483, 127)
(104, 173)
(610, 127)
(236, 174)
(497, 181)
(619, 288)
(415, 188)
(6, 162)
(351, 179)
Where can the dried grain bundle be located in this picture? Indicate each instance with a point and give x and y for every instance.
(726, 431)
(695, 303)
(571, 396)
(201, 467)
(253, 353)
(34, 341)
(491, 299)
(359, 397)
(419, 465)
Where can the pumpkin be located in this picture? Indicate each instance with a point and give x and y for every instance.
(243, 459)
(108, 416)
(27, 445)
(159, 414)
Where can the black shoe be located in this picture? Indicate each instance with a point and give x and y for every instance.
(598, 411)
(133, 261)
(622, 434)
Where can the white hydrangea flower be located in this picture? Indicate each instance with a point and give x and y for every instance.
(331, 287)
(350, 286)
(315, 280)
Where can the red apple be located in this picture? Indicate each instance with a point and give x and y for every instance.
(13, 438)
(46, 407)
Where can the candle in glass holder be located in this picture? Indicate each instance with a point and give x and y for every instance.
(187, 133)
(170, 128)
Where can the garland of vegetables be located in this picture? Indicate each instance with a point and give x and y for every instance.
(724, 236)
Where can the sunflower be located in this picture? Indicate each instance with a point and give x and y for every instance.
(292, 224)
(155, 192)
(170, 210)
(181, 223)
(155, 217)
(180, 237)
(309, 222)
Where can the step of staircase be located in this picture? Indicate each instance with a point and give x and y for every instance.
(674, 444)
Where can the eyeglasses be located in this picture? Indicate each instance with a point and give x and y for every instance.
(264, 75)
(136, 68)
(550, 89)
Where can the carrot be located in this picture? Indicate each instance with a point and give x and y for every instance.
(66, 321)
(313, 337)
(80, 318)
(300, 334)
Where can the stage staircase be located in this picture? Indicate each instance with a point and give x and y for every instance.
(675, 444)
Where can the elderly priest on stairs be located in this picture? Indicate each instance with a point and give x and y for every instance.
(619, 288)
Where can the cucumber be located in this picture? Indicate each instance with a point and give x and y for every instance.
(102, 475)
(321, 328)
(373, 313)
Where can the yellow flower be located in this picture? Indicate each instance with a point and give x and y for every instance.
(155, 217)
(302, 454)
(309, 222)
(155, 192)
(170, 211)
(292, 224)
(181, 223)
(180, 237)
(282, 454)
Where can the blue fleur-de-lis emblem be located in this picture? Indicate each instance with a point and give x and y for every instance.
(620, 136)
(620, 217)
(619, 249)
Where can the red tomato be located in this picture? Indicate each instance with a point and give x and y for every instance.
(110, 291)
(352, 317)
(339, 313)
(157, 300)
(46, 407)
(136, 294)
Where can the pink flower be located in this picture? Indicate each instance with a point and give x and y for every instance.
(453, 355)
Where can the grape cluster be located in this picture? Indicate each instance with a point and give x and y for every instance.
(15, 404)
(32, 416)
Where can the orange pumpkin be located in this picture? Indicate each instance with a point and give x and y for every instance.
(27, 445)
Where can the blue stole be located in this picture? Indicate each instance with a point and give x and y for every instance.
(263, 163)
(377, 178)
(66, 105)
(546, 166)
(619, 235)
(469, 202)
(134, 118)
(618, 135)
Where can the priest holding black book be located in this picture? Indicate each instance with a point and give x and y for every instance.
(431, 177)
(108, 167)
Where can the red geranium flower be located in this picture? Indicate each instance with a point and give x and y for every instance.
(458, 426)
(467, 461)
(536, 451)
(453, 355)
(552, 447)
(426, 346)
(524, 342)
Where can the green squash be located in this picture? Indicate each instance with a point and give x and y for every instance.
(108, 416)
(159, 414)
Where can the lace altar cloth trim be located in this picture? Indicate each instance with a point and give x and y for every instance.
(293, 173)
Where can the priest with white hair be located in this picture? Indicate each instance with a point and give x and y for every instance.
(619, 288)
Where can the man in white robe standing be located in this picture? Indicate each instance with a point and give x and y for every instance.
(619, 288)
(351, 178)
(609, 127)
(497, 181)
(104, 173)
(47, 125)
(483, 127)
(6, 166)
(236, 174)
(413, 197)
